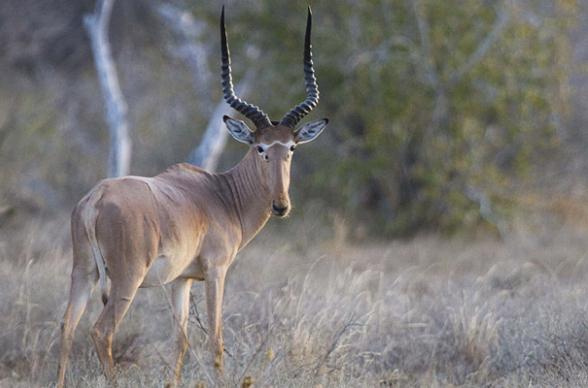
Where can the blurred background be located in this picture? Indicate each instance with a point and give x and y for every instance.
(444, 118)
(438, 236)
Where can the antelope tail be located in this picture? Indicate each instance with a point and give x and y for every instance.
(90, 215)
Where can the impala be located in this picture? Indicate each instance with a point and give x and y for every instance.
(184, 224)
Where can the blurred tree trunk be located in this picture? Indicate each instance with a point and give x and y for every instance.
(208, 152)
(191, 49)
(96, 24)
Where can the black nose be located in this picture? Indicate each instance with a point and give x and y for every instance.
(279, 211)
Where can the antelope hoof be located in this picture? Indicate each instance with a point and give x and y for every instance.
(104, 351)
(218, 364)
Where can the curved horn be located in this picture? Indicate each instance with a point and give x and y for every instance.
(312, 92)
(252, 112)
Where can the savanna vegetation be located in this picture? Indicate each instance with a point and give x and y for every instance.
(436, 111)
(438, 230)
(309, 311)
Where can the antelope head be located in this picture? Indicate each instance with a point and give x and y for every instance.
(273, 141)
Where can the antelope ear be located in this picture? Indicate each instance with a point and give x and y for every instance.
(310, 131)
(239, 130)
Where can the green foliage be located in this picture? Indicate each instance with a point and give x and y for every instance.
(426, 119)
(436, 110)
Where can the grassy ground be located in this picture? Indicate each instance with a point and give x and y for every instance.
(301, 311)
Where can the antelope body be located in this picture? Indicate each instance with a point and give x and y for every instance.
(182, 225)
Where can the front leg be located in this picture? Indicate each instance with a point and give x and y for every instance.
(215, 283)
(181, 306)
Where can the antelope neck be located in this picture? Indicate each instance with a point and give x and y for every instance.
(251, 197)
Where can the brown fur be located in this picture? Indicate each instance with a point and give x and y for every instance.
(182, 225)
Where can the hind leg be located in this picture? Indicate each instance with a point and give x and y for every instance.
(122, 293)
(82, 284)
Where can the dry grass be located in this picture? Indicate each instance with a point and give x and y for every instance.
(304, 312)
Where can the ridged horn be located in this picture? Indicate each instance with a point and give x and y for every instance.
(312, 92)
(252, 112)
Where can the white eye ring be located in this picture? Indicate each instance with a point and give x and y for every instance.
(260, 149)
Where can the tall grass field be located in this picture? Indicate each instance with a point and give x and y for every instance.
(303, 310)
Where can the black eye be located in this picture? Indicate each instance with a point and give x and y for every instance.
(260, 149)
(292, 148)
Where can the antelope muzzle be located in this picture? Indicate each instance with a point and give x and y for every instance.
(280, 209)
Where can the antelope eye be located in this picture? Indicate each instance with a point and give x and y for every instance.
(292, 148)
(260, 149)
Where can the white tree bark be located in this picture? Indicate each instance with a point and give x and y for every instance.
(96, 24)
(191, 49)
(208, 152)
